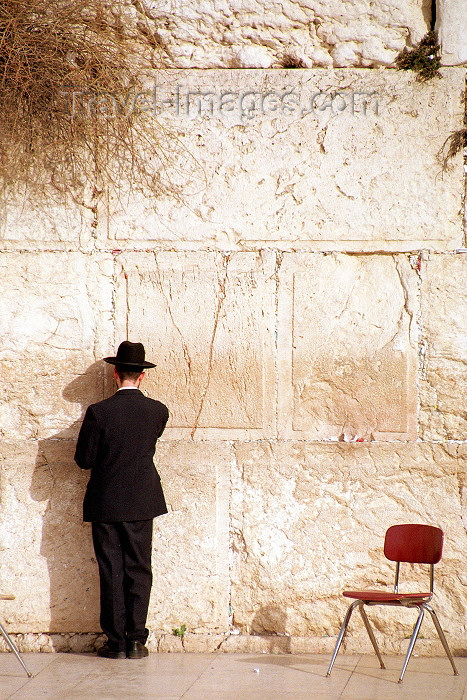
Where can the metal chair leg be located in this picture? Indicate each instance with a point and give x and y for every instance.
(370, 634)
(342, 632)
(413, 639)
(434, 617)
(14, 649)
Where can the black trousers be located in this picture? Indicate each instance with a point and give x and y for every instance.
(123, 553)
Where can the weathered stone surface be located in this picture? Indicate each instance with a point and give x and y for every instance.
(26, 223)
(258, 34)
(191, 643)
(284, 304)
(55, 579)
(443, 414)
(49, 643)
(191, 542)
(309, 520)
(54, 322)
(207, 320)
(46, 550)
(451, 23)
(462, 455)
(303, 159)
(347, 347)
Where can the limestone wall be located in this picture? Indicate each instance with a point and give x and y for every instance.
(264, 34)
(306, 304)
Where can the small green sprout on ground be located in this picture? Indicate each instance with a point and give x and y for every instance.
(424, 59)
(179, 631)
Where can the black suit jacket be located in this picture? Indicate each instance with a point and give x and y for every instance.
(117, 442)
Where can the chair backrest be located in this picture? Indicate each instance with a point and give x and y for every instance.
(418, 544)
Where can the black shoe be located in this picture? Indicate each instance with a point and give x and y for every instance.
(136, 650)
(109, 653)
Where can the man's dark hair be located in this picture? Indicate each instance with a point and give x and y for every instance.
(123, 373)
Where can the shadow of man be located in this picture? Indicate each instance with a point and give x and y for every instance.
(66, 540)
(270, 621)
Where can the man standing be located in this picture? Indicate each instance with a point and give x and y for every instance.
(116, 442)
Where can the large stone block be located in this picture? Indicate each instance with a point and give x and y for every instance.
(347, 347)
(309, 520)
(443, 389)
(191, 542)
(207, 319)
(47, 555)
(300, 160)
(46, 550)
(55, 320)
(258, 34)
(29, 222)
(451, 23)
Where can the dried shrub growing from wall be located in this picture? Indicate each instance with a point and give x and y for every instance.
(424, 59)
(50, 49)
(454, 144)
(289, 60)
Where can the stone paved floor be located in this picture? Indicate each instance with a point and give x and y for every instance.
(229, 677)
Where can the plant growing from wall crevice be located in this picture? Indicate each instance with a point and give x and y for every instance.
(456, 142)
(289, 60)
(180, 633)
(68, 70)
(424, 59)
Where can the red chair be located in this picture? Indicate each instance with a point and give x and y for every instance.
(417, 544)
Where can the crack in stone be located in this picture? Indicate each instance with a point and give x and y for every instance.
(405, 291)
(277, 289)
(186, 353)
(127, 303)
(220, 300)
(344, 194)
(407, 308)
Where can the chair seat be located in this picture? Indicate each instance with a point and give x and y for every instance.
(387, 597)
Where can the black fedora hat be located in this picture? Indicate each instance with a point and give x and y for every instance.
(130, 355)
